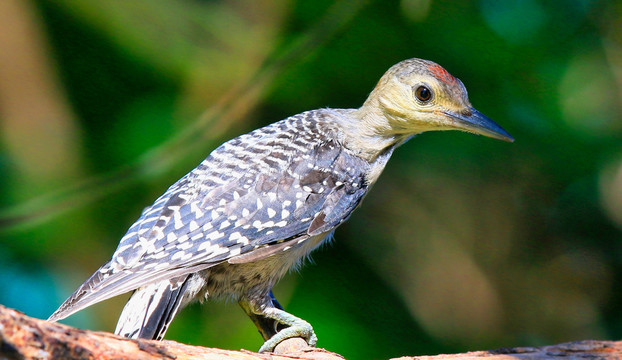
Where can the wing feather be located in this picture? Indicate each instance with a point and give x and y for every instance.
(254, 191)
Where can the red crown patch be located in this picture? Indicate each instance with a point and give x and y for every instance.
(442, 74)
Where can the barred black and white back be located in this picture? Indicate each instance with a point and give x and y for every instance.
(235, 224)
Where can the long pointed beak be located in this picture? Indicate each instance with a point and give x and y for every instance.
(479, 123)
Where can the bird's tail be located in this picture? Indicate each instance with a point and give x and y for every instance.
(151, 308)
(85, 295)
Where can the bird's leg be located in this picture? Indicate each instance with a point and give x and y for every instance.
(267, 327)
(275, 324)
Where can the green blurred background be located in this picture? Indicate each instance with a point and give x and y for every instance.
(465, 243)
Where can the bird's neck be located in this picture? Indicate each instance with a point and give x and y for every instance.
(368, 132)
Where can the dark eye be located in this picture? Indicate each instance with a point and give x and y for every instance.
(423, 93)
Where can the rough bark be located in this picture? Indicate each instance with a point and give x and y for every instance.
(23, 337)
(586, 349)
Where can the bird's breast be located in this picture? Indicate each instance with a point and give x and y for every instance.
(256, 278)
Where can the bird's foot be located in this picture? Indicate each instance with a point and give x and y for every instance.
(297, 328)
(276, 324)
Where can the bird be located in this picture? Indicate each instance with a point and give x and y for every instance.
(260, 203)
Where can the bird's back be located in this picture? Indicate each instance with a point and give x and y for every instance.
(291, 180)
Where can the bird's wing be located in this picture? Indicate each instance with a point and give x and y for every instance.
(284, 181)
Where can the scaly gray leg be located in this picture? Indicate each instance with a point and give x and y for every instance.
(267, 327)
(275, 324)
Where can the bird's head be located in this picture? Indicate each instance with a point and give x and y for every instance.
(419, 95)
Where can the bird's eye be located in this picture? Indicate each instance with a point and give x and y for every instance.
(423, 94)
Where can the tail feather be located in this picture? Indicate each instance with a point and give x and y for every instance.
(151, 308)
(108, 282)
(82, 297)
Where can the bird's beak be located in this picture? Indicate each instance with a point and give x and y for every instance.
(478, 123)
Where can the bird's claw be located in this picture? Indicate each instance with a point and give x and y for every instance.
(299, 328)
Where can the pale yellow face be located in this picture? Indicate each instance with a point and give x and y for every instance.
(419, 95)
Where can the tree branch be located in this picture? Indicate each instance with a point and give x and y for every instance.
(576, 350)
(23, 337)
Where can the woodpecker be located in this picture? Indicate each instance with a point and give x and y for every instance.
(261, 202)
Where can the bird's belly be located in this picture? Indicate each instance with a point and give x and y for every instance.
(256, 278)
